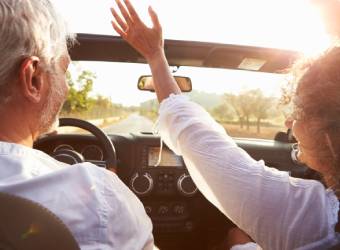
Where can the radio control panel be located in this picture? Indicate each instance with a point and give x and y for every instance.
(162, 182)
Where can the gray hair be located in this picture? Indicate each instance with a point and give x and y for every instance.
(28, 28)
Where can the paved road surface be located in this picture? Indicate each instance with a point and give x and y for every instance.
(132, 124)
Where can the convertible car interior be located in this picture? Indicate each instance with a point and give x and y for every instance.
(182, 217)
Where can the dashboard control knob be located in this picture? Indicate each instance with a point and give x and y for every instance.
(186, 186)
(189, 226)
(179, 209)
(162, 210)
(142, 184)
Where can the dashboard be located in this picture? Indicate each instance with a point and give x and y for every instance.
(179, 212)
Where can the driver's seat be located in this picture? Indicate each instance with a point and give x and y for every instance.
(25, 224)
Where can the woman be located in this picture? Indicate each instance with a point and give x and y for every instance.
(275, 210)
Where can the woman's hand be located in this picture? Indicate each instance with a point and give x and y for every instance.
(147, 41)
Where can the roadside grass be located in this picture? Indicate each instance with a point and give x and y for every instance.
(266, 132)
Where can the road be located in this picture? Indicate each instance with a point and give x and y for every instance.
(132, 124)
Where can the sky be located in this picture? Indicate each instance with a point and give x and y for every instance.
(288, 24)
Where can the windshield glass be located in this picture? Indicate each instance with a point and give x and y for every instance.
(245, 103)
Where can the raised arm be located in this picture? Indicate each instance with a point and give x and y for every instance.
(147, 41)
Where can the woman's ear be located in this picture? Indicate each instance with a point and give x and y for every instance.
(31, 81)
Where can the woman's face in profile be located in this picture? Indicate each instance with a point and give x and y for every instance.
(305, 143)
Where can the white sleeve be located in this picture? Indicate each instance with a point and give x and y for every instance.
(247, 246)
(277, 211)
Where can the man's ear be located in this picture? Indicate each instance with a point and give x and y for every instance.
(31, 81)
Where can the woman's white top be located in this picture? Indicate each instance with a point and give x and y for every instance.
(276, 210)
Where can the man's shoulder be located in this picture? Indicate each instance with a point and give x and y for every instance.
(89, 168)
(88, 172)
(98, 178)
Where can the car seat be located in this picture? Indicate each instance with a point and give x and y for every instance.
(25, 224)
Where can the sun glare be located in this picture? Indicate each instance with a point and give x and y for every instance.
(308, 31)
(288, 24)
(285, 24)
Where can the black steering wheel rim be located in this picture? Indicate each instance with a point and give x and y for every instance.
(111, 157)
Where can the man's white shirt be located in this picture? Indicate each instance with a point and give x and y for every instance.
(100, 211)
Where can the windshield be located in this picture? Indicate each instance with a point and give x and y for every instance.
(246, 103)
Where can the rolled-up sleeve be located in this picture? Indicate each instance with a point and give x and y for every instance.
(277, 211)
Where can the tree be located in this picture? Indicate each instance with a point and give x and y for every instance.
(261, 108)
(250, 103)
(82, 103)
(222, 112)
(149, 109)
(242, 105)
(78, 99)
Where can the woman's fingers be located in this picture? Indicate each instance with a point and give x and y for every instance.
(118, 29)
(118, 19)
(154, 19)
(124, 12)
(129, 26)
(133, 13)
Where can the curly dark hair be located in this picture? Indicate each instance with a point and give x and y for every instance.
(317, 101)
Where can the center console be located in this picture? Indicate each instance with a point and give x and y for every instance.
(165, 187)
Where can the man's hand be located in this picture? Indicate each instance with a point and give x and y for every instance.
(147, 41)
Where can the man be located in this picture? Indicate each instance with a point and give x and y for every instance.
(100, 211)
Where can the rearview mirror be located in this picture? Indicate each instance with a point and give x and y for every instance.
(146, 83)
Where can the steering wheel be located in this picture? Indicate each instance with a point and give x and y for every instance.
(73, 157)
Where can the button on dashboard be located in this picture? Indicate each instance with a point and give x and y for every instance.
(178, 209)
(163, 210)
